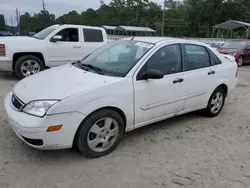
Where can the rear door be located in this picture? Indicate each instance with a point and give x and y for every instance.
(199, 76)
(93, 38)
(68, 50)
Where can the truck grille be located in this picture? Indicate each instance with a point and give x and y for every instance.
(17, 103)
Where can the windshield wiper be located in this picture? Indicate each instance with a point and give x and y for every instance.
(96, 69)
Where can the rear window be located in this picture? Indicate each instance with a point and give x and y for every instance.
(92, 35)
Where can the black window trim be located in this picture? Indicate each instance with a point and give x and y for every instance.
(145, 64)
(64, 29)
(185, 57)
(212, 59)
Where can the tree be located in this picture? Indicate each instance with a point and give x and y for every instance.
(2, 23)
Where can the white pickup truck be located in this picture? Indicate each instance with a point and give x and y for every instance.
(53, 46)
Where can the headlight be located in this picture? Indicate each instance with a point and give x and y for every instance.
(234, 54)
(38, 108)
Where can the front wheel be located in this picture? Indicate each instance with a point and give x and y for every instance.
(100, 133)
(28, 65)
(215, 103)
(240, 61)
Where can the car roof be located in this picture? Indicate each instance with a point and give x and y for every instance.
(158, 40)
(153, 39)
(246, 41)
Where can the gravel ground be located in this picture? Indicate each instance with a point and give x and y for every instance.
(186, 151)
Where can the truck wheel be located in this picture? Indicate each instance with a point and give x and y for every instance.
(100, 133)
(28, 65)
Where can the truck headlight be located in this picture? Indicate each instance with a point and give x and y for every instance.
(39, 107)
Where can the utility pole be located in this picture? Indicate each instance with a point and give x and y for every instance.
(136, 16)
(163, 20)
(44, 9)
(17, 21)
(11, 22)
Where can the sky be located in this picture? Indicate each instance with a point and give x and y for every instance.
(57, 7)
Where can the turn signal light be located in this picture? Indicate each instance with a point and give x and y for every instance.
(54, 128)
(2, 50)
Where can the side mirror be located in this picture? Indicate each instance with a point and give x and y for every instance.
(56, 38)
(152, 74)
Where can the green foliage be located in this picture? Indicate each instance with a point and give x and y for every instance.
(2, 23)
(193, 18)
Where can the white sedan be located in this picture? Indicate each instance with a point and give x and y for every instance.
(122, 86)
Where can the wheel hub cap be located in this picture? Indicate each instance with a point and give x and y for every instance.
(217, 102)
(30, 67)
(103, 134)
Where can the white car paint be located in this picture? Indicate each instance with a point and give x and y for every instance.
(142, 102)
(54, 53)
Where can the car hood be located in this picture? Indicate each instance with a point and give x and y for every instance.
(59, 83)
(17, 38)
(227, 51)
(22, 44)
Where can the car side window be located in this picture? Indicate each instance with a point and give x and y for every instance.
(168, 60)
(69, 35)
(92, 35)
(214, 58)
(197, 57)
(247, 47)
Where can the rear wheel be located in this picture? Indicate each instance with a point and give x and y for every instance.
(240, 61)
(100, 133)
(28, 65)
(215, 103)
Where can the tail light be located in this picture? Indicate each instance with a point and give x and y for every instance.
(2, 50)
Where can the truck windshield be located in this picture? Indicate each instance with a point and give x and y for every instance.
(46, 32)
(117, 58)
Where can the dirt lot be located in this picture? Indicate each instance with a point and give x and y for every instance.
(187, 151)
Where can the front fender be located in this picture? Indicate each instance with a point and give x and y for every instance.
(126, 107)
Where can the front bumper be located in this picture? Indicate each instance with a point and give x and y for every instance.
(33, 130)
(5, 64)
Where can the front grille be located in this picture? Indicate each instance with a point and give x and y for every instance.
(17, 104)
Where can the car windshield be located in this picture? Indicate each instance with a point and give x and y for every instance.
(46, 32)
(214, 45)
(234, 45)
(117, 58)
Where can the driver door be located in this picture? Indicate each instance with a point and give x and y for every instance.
(158, 99)
(66, 50)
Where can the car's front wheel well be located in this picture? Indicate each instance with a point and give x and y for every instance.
(118, 110)
(16, 56)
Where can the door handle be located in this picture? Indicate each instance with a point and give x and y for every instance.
(178, 80)
(77, 46)
(211, 72)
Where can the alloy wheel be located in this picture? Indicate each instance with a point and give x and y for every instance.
(103, 134)
(30, 67)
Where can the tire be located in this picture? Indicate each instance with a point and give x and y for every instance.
(32, 63)
(240, 61)
(209, 112)
(93, 134)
